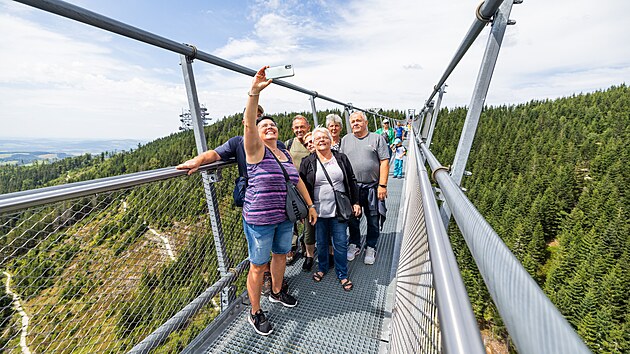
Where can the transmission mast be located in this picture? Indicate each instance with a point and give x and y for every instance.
(186, 118)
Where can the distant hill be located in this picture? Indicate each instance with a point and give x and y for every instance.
(69, 147)
(26, 158)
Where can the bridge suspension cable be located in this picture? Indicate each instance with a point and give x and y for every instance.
(94, 19)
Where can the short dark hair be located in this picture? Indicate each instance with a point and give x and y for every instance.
(259, 119)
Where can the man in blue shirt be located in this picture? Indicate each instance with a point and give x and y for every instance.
(400, 132)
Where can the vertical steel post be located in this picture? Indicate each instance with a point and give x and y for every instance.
(478, 99)
(346, 113)
(208, 179)
(436, 111)
(314, 112)
(427, 121)
(417, 122)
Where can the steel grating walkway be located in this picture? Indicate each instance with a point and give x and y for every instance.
(326, 318)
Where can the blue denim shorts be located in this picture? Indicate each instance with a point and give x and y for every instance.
(264, 239)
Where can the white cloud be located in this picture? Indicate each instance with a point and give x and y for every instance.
(60, 87)
(374, 53)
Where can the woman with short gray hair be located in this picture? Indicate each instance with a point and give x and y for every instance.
(325, 173)
(334, 125)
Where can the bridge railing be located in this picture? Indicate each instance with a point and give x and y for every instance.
(533, 322)
(116, 263)
(432, 312)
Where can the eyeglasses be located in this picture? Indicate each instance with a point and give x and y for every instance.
(266, 125)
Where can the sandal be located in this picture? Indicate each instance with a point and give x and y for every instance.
(347, 285)
(317, 276)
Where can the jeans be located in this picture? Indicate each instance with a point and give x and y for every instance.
(332, 228)
(372, 223)
(264, 239)
(398, 167)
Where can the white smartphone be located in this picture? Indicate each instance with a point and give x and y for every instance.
(277, 72)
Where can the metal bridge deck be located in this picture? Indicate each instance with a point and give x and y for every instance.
(326, 318)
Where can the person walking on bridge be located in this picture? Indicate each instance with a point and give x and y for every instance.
(265, 222)
(387, 132)
(369, 155)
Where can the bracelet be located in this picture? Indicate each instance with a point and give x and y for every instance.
(382, 185)
(311, 206)
(251, 94)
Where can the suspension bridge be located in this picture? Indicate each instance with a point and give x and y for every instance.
(146, 292)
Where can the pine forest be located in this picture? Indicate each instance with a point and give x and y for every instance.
(550, 176)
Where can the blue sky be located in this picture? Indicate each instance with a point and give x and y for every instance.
(63, 79)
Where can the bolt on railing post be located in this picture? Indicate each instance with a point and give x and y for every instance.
(478, 99)
(315, 122)
(436, 111)
(208, 179)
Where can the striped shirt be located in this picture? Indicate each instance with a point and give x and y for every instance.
(266, 194)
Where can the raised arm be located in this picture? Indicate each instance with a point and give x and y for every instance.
(254, 148)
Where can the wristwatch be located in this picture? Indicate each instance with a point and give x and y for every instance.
(382, 185)
(311, 206)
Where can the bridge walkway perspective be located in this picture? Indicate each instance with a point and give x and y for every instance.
(327, 319)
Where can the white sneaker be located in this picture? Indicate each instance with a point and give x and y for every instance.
(353, 251)
(370, 255)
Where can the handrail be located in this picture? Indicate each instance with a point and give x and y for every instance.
(62, 186)
(158, 336)
(485, 11)
(457, 320)
(21, 200)
(88, 17)
(534, 323)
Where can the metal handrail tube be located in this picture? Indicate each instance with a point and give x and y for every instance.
(178, 321)
(487, 10)
(457, 320)
(534, 323)
(62, 186)
(91, 18)
(20, 200)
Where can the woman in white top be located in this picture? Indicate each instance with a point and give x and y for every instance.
(313, 171)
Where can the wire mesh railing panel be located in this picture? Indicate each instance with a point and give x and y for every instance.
(100, 273)
(415, 325)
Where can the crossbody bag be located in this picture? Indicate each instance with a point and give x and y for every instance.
(342, 201)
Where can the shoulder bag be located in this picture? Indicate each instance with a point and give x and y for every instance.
(342, 202)
(296, 207)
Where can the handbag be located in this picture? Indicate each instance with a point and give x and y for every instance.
(296, 207)
(343, 205)
(240, 185)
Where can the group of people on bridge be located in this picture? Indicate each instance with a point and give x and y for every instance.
(319, 163)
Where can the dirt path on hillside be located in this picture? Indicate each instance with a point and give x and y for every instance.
(167, 244)
(17, 305)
